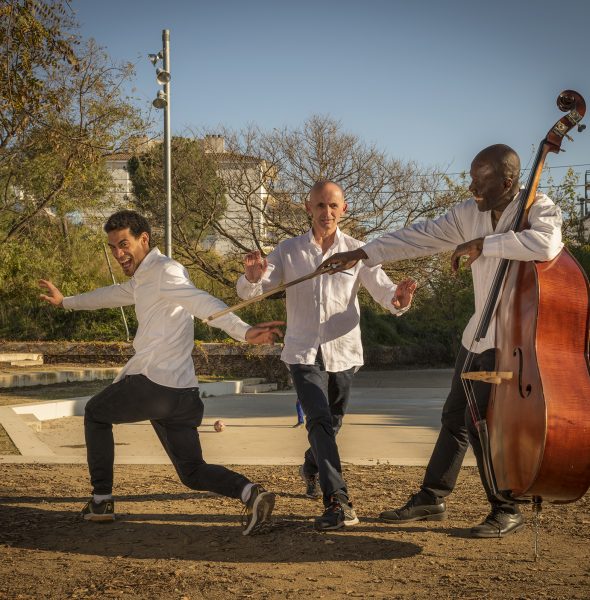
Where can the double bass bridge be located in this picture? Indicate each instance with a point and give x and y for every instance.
(495, 377)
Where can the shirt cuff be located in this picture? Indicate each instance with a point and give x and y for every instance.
(68, 303)
(493, 245)
(246, 289)
(398, 312)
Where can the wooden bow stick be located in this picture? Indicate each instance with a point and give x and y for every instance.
(321, 271)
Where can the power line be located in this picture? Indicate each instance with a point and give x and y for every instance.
(439, 191)
(465, 173)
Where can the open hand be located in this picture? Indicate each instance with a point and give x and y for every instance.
(53, 296)
(472, 250)
(264, 333)
(254, 266)
(404, 293)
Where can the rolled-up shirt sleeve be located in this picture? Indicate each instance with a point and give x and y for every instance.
(176, 287)
(111, 296)
(541, 241)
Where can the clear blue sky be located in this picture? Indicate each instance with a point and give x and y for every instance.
(432, 81)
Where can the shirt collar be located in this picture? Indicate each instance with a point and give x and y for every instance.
(151, 256)
(337, 237)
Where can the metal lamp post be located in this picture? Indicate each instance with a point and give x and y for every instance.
(162, 101)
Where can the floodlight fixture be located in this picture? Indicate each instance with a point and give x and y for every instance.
(154, 58)
(162, 76)
(160, 101)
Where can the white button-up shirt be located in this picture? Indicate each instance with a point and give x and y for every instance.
(165, 302)
(323, 310)
(463, 223)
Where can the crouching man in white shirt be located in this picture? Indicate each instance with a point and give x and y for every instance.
(323, 346)
(478, 228)
(159, 383)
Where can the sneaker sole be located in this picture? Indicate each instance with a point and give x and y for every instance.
(437, 517)
(329, 528)
(99, 518)
(351, 522)
(261, 511)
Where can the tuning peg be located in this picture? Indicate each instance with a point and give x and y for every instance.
(569, 137)
(581, 128)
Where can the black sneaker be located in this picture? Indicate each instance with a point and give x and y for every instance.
(100, 512)
(336, 516)
(312, 487)
(420, 507)
(257, 510)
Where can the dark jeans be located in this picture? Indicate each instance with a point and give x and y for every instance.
(458, 430)
(324, 398)
(175, 414)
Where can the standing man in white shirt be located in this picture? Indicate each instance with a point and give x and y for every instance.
(323, 346)
(159, 383)
(479, 229)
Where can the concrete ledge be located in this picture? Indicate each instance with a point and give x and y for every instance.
(22, 436)
(53, 409)
(41, 377)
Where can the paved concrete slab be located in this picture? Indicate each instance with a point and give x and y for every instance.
(393, 417)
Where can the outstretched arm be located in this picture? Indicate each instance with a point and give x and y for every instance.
(111, 296)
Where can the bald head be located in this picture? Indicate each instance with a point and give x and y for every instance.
(329, 186)
(495, 174)
(503, 159)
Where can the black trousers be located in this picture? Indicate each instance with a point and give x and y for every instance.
(458, 431)
(324, 398)
(175, 414)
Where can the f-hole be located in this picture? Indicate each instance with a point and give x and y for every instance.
(526, 393)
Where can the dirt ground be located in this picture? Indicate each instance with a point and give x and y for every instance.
(169, 542)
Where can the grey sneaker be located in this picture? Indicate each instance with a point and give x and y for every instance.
(350, 517)
(100, 512)
(312, 487)
(257, 510)
(336, 515)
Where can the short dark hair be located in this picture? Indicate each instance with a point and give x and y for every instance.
(124, 219)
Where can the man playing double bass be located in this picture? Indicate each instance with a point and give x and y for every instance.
(477, 229)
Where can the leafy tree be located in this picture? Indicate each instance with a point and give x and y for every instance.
(62, 111)
(36, 40)
(198, 200)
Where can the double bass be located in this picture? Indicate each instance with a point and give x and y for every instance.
(536, 434)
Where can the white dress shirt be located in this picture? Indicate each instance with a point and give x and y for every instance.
(463, 223)
(323, 310)
(165, 302)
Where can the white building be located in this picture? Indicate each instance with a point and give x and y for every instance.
(247, 198)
